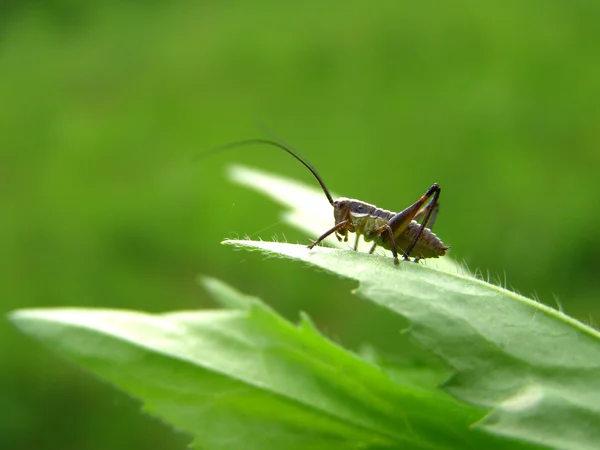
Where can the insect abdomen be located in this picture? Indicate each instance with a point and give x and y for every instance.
(428, 245)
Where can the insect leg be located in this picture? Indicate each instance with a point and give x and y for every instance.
(432, 209)
(400, 221)
(434, 213)
(337, 227)
(388, 229)
(373, 248)
(356, 243)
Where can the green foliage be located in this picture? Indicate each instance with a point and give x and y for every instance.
(104, 104)
(248, 379)
(524, 375)
(533, 365)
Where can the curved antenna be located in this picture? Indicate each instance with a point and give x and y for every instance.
(289, 150)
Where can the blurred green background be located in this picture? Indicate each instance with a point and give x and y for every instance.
(103, 106)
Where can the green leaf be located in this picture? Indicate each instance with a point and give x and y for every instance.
(225, 295)
(525, 375)
(310, 211)
(407, 371)
(248, 379)
(536, 369)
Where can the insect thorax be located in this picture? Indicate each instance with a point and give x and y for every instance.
(363, 217)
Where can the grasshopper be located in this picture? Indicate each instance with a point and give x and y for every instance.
(399, 232)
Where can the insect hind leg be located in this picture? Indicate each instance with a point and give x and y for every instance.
(434, 213)
(400, 221)
(431, 210)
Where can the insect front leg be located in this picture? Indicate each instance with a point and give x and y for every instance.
(337, 227)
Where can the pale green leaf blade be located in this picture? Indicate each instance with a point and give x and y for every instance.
(248, 379)
(225, 295)
(502, 346)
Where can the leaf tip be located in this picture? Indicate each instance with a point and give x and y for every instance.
(225, 295)
(21, 317)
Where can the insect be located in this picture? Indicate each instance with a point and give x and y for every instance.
(399, 232)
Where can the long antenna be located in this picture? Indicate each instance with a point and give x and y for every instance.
(289, 150)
